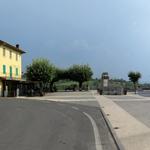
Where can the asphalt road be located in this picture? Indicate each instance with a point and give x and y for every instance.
(46, 125)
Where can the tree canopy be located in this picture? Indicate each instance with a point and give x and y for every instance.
(134, 77)
(80, 73)
(59, 74)
(43, 71)
(40, 70)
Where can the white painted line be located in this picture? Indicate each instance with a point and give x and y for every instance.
(76, 108)
(98, 143)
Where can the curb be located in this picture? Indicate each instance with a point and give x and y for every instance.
(116, 140)
(112, 132)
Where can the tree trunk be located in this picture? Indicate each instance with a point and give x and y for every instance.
(51, 86)
(135, 87)
(41, 89)
(41, 86)
(80, 86)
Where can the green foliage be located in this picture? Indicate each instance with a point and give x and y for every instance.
(134, 76)
(43, 71)
(94, 84)
(62, 85)
(80, 73)
(59, 74)
(40, 70)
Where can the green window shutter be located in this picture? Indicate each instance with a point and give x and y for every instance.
(4, 69)
(10, 71)
(16, 71)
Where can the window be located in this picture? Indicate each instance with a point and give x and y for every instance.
(4, 52)
(4, 69)
(10, 54)
(16, 71)
(16, 57)
(10, 71)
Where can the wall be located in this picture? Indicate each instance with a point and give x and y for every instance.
(6, 60)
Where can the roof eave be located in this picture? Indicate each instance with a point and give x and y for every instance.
(11, 46)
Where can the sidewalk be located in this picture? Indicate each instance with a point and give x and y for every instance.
(63, 96)
(133, 134)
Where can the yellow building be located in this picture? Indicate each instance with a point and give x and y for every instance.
(10, 68)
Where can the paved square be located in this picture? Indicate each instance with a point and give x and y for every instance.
(137, 106)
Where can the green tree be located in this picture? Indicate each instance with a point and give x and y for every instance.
(40, 70)
(134, 77)
(59, 74)
(80, 74)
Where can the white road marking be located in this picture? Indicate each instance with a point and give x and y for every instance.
(76, 108)
(98, 143)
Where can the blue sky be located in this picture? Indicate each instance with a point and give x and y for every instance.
(112, 36)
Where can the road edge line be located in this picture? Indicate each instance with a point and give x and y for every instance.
(98, 143)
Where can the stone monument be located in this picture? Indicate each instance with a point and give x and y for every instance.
(104, 80)
(104, 84)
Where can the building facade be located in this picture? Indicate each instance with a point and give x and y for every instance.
(10, 68)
